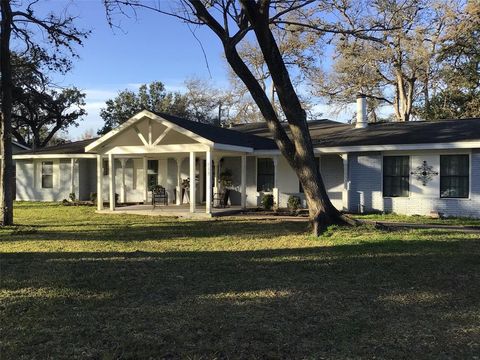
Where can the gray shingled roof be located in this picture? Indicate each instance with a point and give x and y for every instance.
(221, 135)
(325, 133)
(75, 147)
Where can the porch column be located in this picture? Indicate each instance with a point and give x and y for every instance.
(201, 184)
(275, 181)
(99, 182)
(123, 188)
(72, 176)
(216, 164)
(145, 180)
(208, 182)
(179, 180)
(192, 182)
(111, 180)
(243, 184)
(346, 183)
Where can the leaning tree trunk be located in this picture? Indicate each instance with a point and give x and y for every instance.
(6, 169)
(297, 146)
(301, 159)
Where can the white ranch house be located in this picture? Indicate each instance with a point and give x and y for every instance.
(406, 168)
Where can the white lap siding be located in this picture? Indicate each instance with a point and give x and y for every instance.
(287, 181)
(29, 180)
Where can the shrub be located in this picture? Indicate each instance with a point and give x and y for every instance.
(226, 178)
(267, 201)
(93, 197)
(72, 197)
(293, 203)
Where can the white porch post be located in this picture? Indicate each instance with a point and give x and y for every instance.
(192, 182)
(99, 182)
(179, 180)
(145, 180)
(244, 182)
(72, 175)
(208, 182)
(201, 183)
(346, 183)
(216, 164)
(123, 188)
(111, 180)
(275, 181)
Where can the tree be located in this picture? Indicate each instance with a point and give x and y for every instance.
(231, 21)
(87, 134)
(151, 97)
(22, 26)
(204, 102)
(300, 51)
(459, 89)
(40, 110)
(200, 102)
(397, 66)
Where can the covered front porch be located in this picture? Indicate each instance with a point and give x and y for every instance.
(149, 151)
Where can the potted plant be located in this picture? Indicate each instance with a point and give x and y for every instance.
(226, 182)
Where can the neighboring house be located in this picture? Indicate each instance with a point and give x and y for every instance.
(406, 168)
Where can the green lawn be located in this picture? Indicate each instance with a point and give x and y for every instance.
(77, 285)
(417, 219)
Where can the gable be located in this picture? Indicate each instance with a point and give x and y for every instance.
(145, 131)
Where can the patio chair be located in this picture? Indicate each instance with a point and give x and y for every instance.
(159, 196)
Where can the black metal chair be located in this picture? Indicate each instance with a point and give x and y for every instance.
(159, 196)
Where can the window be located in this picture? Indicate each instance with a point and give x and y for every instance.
(152, 173)
(265, 175)
(454, 176)
(396, 176)
(47, 174)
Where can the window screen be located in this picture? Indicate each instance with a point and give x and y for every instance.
(454, 176)
(47, 174)
(265, 175)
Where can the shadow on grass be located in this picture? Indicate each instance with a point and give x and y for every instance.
(389, 300)
(162, 230)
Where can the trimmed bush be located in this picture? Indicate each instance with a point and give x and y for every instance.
(267, 201)
(293, 203)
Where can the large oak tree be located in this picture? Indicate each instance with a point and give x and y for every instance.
(52, 35)
(233, 22)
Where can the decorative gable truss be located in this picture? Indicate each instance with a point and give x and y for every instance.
(149, 133)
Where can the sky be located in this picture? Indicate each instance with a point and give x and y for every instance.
(148, 47)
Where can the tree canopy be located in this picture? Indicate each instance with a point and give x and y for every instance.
(40, 109)
(200, 102)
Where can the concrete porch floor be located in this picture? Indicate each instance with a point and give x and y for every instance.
(172, 210)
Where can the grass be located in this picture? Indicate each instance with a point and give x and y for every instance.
(77, 285)
(419, 219)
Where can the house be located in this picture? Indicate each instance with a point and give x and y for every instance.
(406, 168)
(17, 147)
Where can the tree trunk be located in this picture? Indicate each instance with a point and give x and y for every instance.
(300, 154)
(297, 146)
(6, 169)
